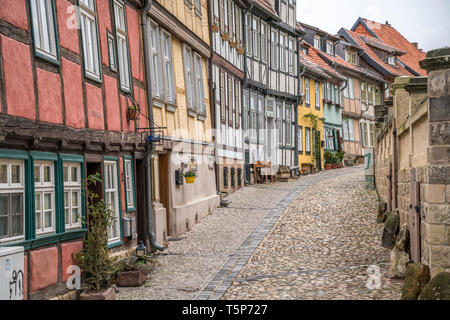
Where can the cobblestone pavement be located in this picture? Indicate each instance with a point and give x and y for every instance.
(313, 238)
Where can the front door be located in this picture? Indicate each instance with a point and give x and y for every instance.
(164, 187)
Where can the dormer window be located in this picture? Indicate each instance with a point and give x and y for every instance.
(330, 47)
(351, 57)
(392, 60)
(317, 42)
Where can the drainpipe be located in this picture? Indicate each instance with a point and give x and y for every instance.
(299, 100)
(150, 147)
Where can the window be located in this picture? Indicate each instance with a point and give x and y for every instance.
(346, 91)
(44, 184)
(288, 124)
(72, 195)
(252, 126)
(363, 92)
(274, 49)
(351, 57)
(317, 42)
(230, 18)
(291, 56)
(230, 100)
(129, 183)
(198, 8)
(169, 81)
(189, 77)
(300, 139)
(237, 96)
(336, 94)
(301, 86)
(345, 128)
(223, 114)
(112, 199)
(112, 52)
(237, 19)
(370, 93)
(330, 47)
(261, 119)
(245, 109)
(248, 26)
(44, 29)
(12, 200)
(256, 38)
(351, 130)
(280, 122)
(122, 46)
(307, 91)
(156, 60)
(199, 90)
(282, 52)
(351, 88)
(317, 95)
(392, 60)
(329, 92)
(89, 38)
(308, 140)
(333, 93)
(377, 95)
(263, 42)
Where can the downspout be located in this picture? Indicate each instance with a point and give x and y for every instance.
(244, 12)
(212, 104)
(299, 100)
(150, 147)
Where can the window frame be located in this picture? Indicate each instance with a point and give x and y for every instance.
(116, 241)
(14, 188)
(168, 73)
(112, 51)
(308, 141)
(123, 34)
(300, 139)
(44, 188)
(38, 51)
(307, 91)
(72, 187)
(317, 94)
(129, 207)
(92, 12)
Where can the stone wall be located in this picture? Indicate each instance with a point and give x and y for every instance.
(413, 138)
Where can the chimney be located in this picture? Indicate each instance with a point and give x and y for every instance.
(415, 44)
(387, 23)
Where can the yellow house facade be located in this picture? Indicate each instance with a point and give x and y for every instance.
(312, 103)
(180, 48)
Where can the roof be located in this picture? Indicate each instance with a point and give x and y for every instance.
(324, 33)
(390, 36)
(344, 64)
(313, 55)
(266, 6)
(311, 66)
(386, 68)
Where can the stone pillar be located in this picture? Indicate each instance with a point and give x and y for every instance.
(436, 192)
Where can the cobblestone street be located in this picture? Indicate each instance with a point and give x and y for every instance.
(308, 239)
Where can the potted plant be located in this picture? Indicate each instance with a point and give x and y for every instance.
(340, 156)
(189, 176)
(240, 47)
(94, 261)
(215, 25)
(132, 271)
(225, 36)
(328, 156)
(131, 112)
(335, 160)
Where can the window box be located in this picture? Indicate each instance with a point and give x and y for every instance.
(326, 101)
(233, 44)
(225, 36)
(240, 47)
(215, 28)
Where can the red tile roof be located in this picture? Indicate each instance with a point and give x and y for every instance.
(397, 70)
(392, 37)
(313, 55)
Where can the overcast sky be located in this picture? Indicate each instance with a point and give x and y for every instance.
(426, 22)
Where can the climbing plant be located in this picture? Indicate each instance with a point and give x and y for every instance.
(315, 120)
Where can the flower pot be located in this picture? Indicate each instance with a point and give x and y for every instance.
(241, 50)
(225, 36)
(130, 278)
(109, 294)
(233, 44)
(340, 165)
(131, 114)
(215, 28)
(189, 180)
(328, 166)
(334, 166)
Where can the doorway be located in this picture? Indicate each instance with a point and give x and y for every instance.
(164, 187)
(141, 209)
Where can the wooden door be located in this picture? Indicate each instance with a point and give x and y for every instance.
(164, 187)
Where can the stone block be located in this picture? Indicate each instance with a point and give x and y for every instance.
(436, 213)
(130, 278)
(438, 174)
(109, 294)
(434, 193)
(437, 83)
(438, 288)
(435, 234)
(438, 153)
(447, 192)
(67, 249)
(440, 256)
(447, 242)
(43, 268)
(439, 133)
(438, 109)
(417, 276)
